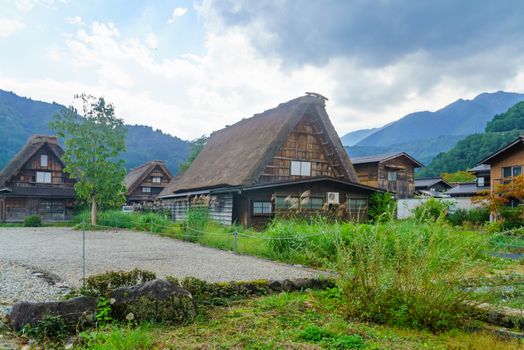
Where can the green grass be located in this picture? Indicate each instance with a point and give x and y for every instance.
(45, 224)
(310, 320)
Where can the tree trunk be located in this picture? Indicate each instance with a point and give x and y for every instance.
(93, 212)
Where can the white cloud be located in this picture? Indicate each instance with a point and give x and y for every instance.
(76, 20)
(190, 95)
(152, 41)
(178, 12)
(9, 26)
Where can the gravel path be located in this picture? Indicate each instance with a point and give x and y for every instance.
(58, 251)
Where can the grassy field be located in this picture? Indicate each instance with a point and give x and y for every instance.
(311, 320)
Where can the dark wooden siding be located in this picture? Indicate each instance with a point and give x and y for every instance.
(376, 175)
(302, 144)
(16, 209)
(139, 196)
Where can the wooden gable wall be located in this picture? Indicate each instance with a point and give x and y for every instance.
(27, 174)
(302, 144)
(156, 188)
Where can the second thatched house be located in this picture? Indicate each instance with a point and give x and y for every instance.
(34, 183)
(145, 182)
(285, 161)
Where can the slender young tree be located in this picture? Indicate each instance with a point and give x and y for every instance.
(93, 144)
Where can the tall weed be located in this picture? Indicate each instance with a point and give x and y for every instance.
(409, 274)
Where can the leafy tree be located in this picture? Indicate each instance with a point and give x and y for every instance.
(93, 143)
(496, 199)
(195, 148)
(459, 176)
(383, 207)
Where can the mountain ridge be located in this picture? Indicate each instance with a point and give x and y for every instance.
(20, 117)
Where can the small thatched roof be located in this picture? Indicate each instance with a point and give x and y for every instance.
(237, 154)
(138, 174)
(31, 147)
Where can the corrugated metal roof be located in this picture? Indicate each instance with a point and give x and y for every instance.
(430, 182)
(481, 167)
(469, 188)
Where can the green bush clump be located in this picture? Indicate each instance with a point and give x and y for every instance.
(382, 207)
(511, 218)
(49, 329)
(32, 221)
(103, 284)
(475, 216)
(409, 275)
(150, 222)
(432, 210)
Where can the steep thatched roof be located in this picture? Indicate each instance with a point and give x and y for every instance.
(237, 154)
(31, 147)
(137, 175)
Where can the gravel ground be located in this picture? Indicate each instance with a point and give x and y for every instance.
(58, 251)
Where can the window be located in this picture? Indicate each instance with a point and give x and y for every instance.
(480, 182)
(287, 202)
(43, 177)
(392, 175)
(43, 160)
(357, 204)
(146, 189)
(312, 203)
(510, 171)
(299, 168)
(157, 179)
(262, 208)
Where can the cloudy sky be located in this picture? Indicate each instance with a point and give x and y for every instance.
(191, 67)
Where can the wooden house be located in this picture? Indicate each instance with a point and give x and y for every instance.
(145, 182)
(33, 183)
(285, 161)
(431, 187)
(394, 172)
(482, 174)
(505, 163)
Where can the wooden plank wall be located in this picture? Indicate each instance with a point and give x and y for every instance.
(302, 144)
(221, 208)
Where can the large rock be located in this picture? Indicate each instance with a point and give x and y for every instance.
(74, 312)
(157, 300)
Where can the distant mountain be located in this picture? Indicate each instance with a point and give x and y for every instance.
(354, 137)
(21, 117)
(504, 128)
(425, 134)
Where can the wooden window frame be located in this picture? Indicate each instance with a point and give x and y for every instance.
(44, 176)
(156, 177)
(300, 164)
(262, 202)
(360, 209)
(144, 189)
(42, 157)
(392, 172)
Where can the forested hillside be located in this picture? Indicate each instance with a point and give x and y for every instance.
(425, 134)
(500, 131)
(21, 117)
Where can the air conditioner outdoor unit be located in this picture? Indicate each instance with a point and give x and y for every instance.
(332, 198)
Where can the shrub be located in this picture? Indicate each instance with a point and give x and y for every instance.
(102, 284)
(382, 207)
(476, 216)
(132, 221)
(32, 221)
(409, 275)
(432, 210)
(511, 217)
(49, 329)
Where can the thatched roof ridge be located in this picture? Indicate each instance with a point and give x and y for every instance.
(32, 146)
(135, 177)
(237, 154)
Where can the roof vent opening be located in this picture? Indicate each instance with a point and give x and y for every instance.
(317, 95)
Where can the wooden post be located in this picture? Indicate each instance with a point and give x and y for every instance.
(235, 235)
